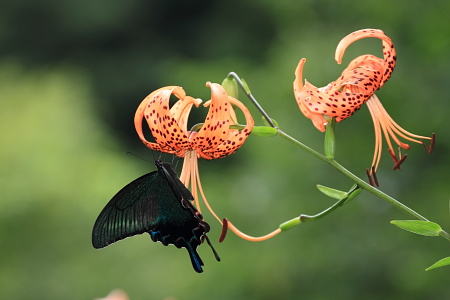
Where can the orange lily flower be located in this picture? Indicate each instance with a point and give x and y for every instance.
(210, 140)
(356, 86)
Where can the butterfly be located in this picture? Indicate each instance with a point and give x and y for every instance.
(157, 203)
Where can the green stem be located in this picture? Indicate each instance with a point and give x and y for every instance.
(248, 93)
(306, 218)
(361, 183)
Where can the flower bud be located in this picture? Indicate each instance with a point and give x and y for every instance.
(231, 87)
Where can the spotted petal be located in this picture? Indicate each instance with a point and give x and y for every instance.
(386, 65)
(169, 136)
(216, 139)
(181, 109)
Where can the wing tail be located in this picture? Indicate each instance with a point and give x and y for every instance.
(197, 262)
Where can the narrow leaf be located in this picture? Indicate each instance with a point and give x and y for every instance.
(333, 193)
(419, 227)
(246, 88)
(353, 193)
(330, 142)
(441, 263)
(237, 126)
(267, 123)
(264, 131)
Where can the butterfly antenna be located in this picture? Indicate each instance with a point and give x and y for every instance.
(212, 248)
(137, 156)
(175, 161)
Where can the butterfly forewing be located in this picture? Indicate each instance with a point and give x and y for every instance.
(180, 190)
(133, 210)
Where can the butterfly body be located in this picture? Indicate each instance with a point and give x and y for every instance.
(157, 203)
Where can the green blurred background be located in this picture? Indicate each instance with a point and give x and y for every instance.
(72, 74)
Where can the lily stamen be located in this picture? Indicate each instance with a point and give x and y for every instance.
(383, 122)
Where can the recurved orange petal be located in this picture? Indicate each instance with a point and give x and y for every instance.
(235, 137)
(386, 65)
(215, 139)
(307, 97)
(169, 136)
(181, 109)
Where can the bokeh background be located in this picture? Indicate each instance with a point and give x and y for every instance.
(72, 74)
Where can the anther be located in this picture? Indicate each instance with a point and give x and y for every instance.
(372, 175)
(224, 230)
(393, 155)
(398, 163)
(430, 149)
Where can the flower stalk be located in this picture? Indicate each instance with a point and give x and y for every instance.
(361, 183)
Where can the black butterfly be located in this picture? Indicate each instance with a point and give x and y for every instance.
(157, 203)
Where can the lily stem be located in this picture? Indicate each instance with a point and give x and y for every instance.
(361, 183)
(306, 218)
(249, 94)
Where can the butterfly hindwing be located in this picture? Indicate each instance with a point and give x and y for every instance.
(180, 223)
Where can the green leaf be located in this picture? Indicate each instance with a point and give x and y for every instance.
(333, 193)
(246, 88)
(237, 126)
(267, 123)
(419, 227)
(353, 193)
(264, 131)
(441, 263)
(330, 142)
